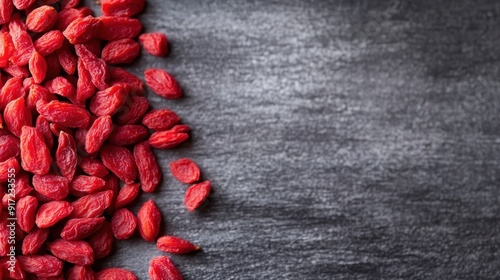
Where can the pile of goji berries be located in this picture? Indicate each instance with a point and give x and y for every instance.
(71, 128)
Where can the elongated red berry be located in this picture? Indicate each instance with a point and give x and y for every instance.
(175, 245)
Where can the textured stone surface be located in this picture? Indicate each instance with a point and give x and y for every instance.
(344, 139)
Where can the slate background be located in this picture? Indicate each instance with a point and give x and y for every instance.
(344, 139)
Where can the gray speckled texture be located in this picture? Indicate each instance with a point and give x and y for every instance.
(344, 139)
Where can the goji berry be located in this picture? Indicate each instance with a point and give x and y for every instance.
(22, 4)
(52, 212)
(83, 185)
(37, 67)
(196, 195)
(115, 274)
(43, 126)
(116, 28)
(162, 268)
(162, 83)
(91, 205)
(121, 51)
(16, 116)
(81, 30)
(175, 245)
(84, 88)
(122, 8)
(110, 100)
(185, 170)
(135, 107)
(41, 19)
(148, 220)
(120, 75)
(154, 43)
(22, 41)
(120, 161)
(67, 60)
(160, 119)
(102, 241)
(6, 10)
(127, 194)
(49, 42)
(77, 229)
(36, 93)
(167, 139)
(66, 155)
(34, 240)
(78, 272)
(25, 212)
(93, 167)
(41, 265)
(97, 68)
(128, 135)
(98, 133)
(11, 90)
(9, 147)
(75, 252)
(147, 165)
(35, 155)
(6, 168)
(123, 224)
(64, 113)
(60, 86)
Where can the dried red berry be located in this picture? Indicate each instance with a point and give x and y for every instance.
(84, 88)
(102, 241)
(51, 186)
(9, 147)
(6, 168)
(83, 185)
(16, 115)
(77, 229)
(93, 167)
(116, 28)
(121, 51)
(52, 212)
(147, 165)
(148, 220)
(128, 135)
(135, 107)
(162, 268)
(175, 245)
(109, 101)
(41, 265)
(11, 90)
(6, 11)
(41, 19)
(120, 161)
(98, 133)
(25, 212)
(123, 224)
(65, 114)
(81, 30)
(185, 170)
(162, 83)
(34, 240)
(38, 67)
(127, 194)
(35, 155)
(97, 68)
(120, 75)
(92, 205)
(78, 272)
(49, 42)
(154, 43)
(196, 195)
(115, 274)
(167, 139)
(122, 8)
(161, 119)
(76, 252)
(66, 157)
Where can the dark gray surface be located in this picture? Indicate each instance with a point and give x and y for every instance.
(344, 139)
